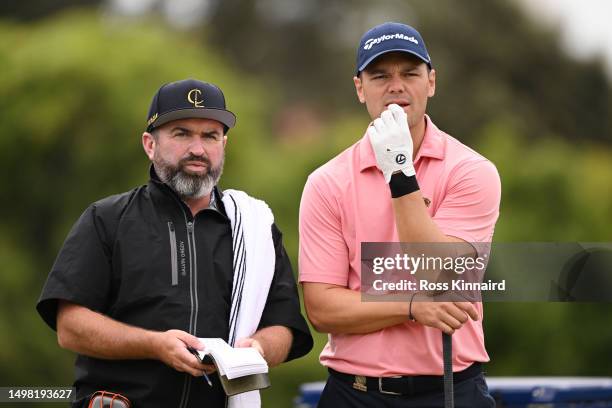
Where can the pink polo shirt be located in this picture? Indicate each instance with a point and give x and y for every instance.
(346, 201)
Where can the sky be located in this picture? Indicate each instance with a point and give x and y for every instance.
(584, 25)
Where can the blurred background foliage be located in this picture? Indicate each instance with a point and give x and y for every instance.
(75, 87)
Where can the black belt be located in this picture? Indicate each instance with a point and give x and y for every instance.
(406, 385)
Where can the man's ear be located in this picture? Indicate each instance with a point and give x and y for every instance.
(149, 144)
(432, 82)
(359, 89)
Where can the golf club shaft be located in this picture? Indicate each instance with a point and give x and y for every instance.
(447, 356)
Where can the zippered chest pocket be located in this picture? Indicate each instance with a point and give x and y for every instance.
(173, 254)
(147, 260)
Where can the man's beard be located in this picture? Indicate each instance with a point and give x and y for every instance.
(187, 185)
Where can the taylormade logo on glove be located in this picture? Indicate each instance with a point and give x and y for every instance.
(392, 143)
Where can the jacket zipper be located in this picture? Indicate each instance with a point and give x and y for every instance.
(191, 230)
(193, 297)
(173, 257)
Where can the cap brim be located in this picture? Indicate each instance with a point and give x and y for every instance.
(372, 58)
(224, 116)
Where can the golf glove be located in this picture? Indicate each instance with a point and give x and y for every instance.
(392, 143)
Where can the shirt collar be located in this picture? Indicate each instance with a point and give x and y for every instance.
(433, 146)
(213, 200)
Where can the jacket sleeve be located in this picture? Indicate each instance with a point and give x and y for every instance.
(82, 270)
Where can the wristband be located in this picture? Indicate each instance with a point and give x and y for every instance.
(401, 184)
(410, 316)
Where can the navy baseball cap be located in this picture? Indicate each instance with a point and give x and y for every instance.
(389, 37)
(187, 99)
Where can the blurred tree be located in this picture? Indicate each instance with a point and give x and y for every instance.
(490, 59)
(309, 48)
(76, 87)
(35, 9)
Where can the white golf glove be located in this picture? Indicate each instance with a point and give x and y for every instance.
(392, 143)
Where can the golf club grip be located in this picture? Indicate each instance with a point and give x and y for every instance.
(447, 356)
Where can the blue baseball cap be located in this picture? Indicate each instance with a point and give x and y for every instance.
(388, 37)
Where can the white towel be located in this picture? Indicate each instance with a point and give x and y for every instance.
(254, 262)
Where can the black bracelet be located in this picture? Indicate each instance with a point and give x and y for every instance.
(401, 184)
(410, 316)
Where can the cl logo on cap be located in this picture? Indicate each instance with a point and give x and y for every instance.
(193, 96)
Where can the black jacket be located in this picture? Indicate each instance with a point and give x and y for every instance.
(142, 259)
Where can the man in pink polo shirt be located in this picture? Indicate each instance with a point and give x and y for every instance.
(405, 180)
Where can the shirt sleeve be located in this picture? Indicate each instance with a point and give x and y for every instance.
(471, 205)
(323, 253)
(82, 270)
(283, 304)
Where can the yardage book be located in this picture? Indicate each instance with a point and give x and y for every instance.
(240, 369)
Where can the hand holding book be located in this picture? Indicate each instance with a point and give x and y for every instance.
(240, 369)
(251, 342)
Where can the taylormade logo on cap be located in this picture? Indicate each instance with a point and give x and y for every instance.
(390, 37)
(399, 36)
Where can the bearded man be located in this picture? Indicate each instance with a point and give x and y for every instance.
(142, 275)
